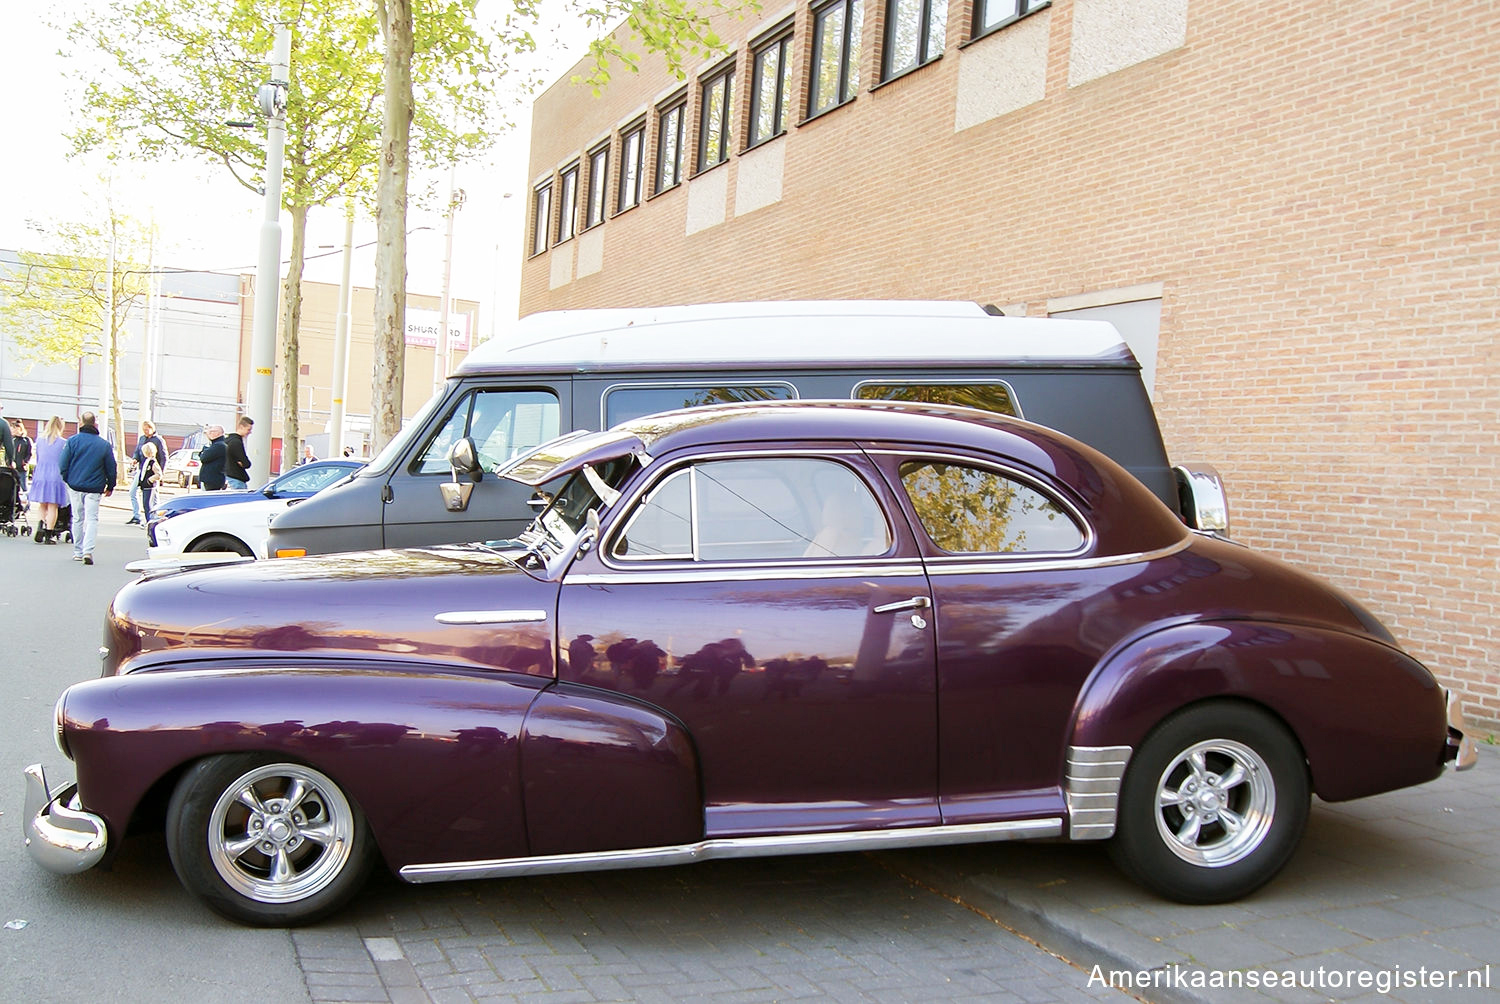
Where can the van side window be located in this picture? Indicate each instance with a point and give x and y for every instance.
(502, 423)
(997, 396)
(621, 404)
(970, 510)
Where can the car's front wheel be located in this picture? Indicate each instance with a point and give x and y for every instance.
(1213, 805)
(266, 841)
(220, 542)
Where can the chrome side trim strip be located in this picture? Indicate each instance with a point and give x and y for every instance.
(1091, 786)
(735, 847)
(491, 616)
(968, 566)
(721, 573)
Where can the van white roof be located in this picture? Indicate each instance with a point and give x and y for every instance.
(794, 333)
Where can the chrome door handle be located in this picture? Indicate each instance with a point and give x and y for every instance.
(915, 603)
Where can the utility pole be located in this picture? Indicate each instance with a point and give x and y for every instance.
(443, 350)
(341, 346)
(272, 100)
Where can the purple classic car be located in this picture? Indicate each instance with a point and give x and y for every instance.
(735, 631)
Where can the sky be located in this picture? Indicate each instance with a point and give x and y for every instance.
(209, 221)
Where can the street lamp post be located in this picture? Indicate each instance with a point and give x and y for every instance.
(272, 100)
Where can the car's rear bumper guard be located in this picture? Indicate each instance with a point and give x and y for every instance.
(1462, 749)
(60, 836)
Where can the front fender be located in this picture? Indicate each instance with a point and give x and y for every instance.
(428, 754)
(1369, 717)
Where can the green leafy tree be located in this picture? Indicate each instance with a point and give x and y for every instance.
(180, 71)
(73, 301)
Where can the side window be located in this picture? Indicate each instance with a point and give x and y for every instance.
(502, 423)
(996, 397)
(621, 404)
(755, 509)
(970, 510)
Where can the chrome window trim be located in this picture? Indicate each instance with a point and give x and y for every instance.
(1090, 538)
(607, 553)
(604, 422)
(895, 568)
(953, 382)
(964, 565)
(736, 847)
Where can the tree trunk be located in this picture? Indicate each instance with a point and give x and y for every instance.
(291, 366)
(388, 383)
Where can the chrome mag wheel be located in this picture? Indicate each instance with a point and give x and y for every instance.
(1215, 803)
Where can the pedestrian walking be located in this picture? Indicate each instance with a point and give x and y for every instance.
(211, 460)
(308, 456)
(149, 475)
(47, 488)
(148, 437)
(236, 460)
(23, 450)
(87, 466)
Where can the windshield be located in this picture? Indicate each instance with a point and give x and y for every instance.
(393, 449)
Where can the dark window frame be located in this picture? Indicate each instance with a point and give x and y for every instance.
(541, 218)
(1024, 9)
(676, 104)
(778, 38)
(637, 131)
(723, 73)
(567, 214)
(924, 31)
(847, 85)
(598, 161)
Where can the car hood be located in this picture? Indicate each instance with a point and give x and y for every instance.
(376, 605)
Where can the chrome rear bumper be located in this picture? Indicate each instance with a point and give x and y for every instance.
(60, 836)
(1462, 749)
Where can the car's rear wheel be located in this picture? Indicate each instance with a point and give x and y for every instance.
(221, 542)
(266, 841)
(1213, 805)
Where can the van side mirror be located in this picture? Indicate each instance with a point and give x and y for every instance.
(464, 459)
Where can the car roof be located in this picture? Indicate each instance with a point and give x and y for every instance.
(845, 334)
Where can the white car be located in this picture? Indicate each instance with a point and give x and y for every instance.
(242, 528)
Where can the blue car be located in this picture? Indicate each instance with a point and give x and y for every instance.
(300, 482)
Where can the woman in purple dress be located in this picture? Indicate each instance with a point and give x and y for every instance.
(47, 488)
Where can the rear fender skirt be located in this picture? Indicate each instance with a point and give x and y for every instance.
(1369, 717)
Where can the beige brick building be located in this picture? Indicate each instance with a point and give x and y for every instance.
(1291, 210)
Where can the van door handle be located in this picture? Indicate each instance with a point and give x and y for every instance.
(915, 603)
(386, 495)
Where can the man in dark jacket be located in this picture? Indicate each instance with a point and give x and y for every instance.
(211, 460)
(87, 466)
(237, 461)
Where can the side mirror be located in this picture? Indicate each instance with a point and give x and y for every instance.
(464, 459)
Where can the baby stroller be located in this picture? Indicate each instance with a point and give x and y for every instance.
(12, 511)
(63, 531)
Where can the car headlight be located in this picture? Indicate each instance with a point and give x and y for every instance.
(57, 726)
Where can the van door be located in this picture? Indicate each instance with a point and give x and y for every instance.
(504, 421)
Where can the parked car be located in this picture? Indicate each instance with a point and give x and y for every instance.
(235, 529)
(737, 631)
(181, 469)
(300, 482)
(590, 369)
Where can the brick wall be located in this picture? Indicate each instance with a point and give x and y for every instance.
(1316, 188)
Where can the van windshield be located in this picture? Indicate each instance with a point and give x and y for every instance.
(386, 457)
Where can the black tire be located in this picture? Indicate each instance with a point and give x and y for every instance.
(228, 854)
(1213, 805)
(220, 542)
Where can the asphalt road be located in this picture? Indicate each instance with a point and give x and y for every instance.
(845, 927)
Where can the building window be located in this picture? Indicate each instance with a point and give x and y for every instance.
(992, 14)
(567, 203)
(914, 34)
(771, 86)
(541, 217)
(837, 29)
(598, 185)
(632, 150)
(669, 143)
(714, 117)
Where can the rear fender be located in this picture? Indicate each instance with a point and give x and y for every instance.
(429, 755)
(1369, 717)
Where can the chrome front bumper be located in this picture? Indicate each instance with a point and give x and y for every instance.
(1462, 749)
(60, 836)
